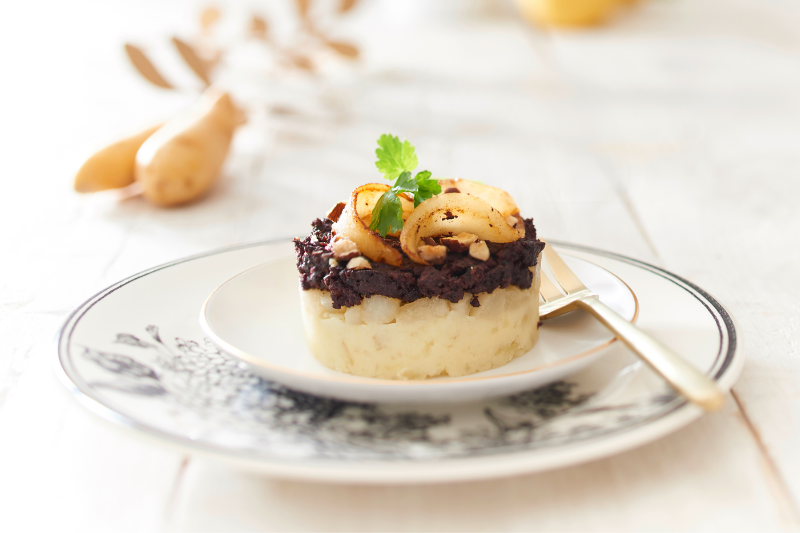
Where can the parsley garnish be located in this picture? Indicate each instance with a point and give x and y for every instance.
(387, 215)
(394, 157)
(397, 160)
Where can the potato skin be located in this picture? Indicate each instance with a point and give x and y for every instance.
(112, 167)
(182, 160)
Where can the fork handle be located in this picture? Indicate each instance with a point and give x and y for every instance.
(694, 385)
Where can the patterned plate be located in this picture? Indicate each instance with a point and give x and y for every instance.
(135, 354)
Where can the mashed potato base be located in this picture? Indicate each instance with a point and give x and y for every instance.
(386, 338)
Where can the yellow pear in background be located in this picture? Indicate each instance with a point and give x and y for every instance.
(569, 13)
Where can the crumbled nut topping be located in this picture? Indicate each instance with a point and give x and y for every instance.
(333, 262)
(479, 250)
(359, 263)
(513, 221)
(345, 249)
(434, 255)
(336, 212)
(459, 243)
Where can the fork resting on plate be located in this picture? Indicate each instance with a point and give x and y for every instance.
(690, 382)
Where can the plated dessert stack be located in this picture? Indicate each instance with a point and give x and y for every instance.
(421, 279)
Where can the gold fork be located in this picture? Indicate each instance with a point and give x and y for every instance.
(690, 382)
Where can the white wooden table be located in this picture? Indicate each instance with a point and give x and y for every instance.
(672, 135)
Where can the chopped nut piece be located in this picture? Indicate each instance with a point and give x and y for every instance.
(479, 250)
(429, 241)
(333, 262)
(336, 212)
(359, 263)
(345, 249)
(513, 220)
(434, 255)
(459, 243)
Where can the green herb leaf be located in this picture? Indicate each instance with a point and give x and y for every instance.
(405, 183)
(396, 160)
(426, 187)
(394, 157)
(387, 215)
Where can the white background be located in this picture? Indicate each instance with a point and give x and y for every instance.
(671, 135)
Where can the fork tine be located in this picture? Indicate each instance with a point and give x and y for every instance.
(548, 290)
(564, 276)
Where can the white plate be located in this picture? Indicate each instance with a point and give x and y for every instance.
(255, 317)
(135, 354)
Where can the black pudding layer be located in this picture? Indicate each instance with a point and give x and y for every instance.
(509, 264)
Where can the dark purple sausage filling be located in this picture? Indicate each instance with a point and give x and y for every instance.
(509, 264)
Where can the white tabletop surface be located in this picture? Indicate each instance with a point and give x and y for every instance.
(671, 135)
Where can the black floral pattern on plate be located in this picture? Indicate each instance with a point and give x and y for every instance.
(211, 397)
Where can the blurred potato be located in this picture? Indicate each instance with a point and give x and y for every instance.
(113, 166)
(181, 161)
